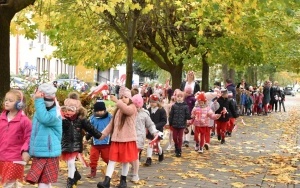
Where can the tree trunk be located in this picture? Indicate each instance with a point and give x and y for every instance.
(176, 76)
(224, 72)
(7, 12)
(5, 19)
(232, 75)
(205, 74)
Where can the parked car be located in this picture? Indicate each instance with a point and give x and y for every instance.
(18, 83)
(72, 84)
(289, 91)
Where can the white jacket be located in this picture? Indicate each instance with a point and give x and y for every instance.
(143, 122)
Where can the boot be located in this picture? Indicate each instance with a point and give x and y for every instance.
(161, 156)
(70, 183)
(77, 177)
(105, 183)
(93, 173)
(148, 162)
(123, 183)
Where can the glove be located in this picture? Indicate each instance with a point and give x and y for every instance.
(88, 136)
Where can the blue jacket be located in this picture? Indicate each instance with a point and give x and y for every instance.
(45, 139)
(100, 124)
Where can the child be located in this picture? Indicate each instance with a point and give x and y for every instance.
(226, 110)
(74, 122)
(281, 100)
(123, 137)
(159, 117)
(143, 122)
(200, 119)
(233, 116)
(249, 103)
(15, 129)
(168, 108)
(243, 102)
(99, 120)
(45, 140)
(178, 117)
(259, 101)
(190, 100)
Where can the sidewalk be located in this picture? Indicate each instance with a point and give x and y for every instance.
(261, 153)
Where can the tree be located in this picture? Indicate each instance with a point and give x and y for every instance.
(7, 12)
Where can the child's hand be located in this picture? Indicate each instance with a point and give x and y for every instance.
(25, 156)
(113, 98)
(218, 116)
(38, 94)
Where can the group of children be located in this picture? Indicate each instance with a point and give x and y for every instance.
(56, 132)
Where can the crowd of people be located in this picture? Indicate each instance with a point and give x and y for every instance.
(56, 133)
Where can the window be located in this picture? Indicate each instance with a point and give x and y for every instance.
(43, 65)
(38, 65)
(48, 67)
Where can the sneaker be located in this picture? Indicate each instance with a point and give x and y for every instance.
(148, 162)
(212, 134)
(223, 141)
(206, 146)
(161, 156)
(169, 147)
(178, 154)
(200, 150)
(186, 143)
(196, 147)
(135, 178)
(229, 134)
(219, 137)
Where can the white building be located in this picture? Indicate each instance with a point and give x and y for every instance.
(33, 57)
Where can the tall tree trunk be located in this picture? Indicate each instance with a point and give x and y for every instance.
(232, 75)
(205, 74)
(224, 72)
(5, 19)
(7, 12)
(176, 76)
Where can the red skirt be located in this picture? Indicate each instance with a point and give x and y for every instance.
(43, 170)
(123, 152)
(10, 171)
(65, 156)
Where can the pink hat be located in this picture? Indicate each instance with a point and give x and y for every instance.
(72, 102)
(137, 100)
(124, 91)
(188, 90)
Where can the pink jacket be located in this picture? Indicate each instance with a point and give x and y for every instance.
(128, 132)
(201, 116)
(14, 136)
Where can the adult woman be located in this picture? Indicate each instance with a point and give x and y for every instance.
(190, 81)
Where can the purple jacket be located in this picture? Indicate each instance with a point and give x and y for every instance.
(14, 136)
(190, 101)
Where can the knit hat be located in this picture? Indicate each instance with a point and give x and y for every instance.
(224, 91)
(154, 98)
(137, 100)
(49, 92)
(188, 90)
(124, 91)
(99, 105)
(48, 89)
(201, 97)
(73, 100)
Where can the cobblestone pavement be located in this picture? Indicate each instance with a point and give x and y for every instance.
(247, 159)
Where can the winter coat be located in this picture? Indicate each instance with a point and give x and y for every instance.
(143, 123)
(267, 97)
(159, 118)
(190, 101)
(195, 89)
(224, 103)
(231, 87)
(100, 124)
(179, 115)
(73, 134)
(243, 99)
(14, 136)
(127, 133)
(201, 115)
(46, 134)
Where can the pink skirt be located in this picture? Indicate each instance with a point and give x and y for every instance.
(123, 152)
(10, 171)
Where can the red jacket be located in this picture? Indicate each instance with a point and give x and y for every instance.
(14, 136)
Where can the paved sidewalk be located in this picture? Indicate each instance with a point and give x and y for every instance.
(261, 153)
